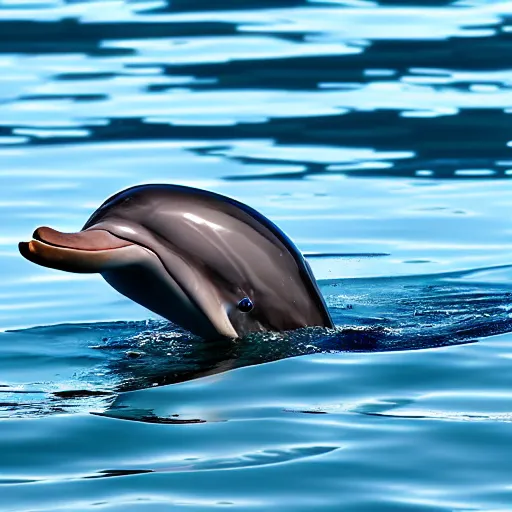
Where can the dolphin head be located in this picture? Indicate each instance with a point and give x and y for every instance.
(204, 261)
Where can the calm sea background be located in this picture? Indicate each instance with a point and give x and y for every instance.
(377, 136)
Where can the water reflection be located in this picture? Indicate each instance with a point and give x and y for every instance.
(84, 367)
(432, 83)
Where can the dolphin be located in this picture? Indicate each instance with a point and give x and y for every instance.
(206, 262)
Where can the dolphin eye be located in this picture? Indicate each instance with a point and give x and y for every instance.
(245, 305)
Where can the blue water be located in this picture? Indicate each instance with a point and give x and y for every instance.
(378, 136)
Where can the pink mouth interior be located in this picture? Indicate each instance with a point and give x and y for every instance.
(89, 240)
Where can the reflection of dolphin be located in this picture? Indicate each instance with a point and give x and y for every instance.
(202, 260)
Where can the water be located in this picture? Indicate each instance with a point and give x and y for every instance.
(377, 136)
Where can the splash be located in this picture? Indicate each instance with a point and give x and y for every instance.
(87, 365)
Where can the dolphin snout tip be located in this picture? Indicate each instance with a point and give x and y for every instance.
(88, 251)
(25, 249)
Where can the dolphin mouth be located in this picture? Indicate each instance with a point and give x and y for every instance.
(89, 251)
(97, 250)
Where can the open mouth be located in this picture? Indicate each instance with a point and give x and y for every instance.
(89, 251)
(99, 251)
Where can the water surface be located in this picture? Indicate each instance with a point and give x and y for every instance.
(377, 136)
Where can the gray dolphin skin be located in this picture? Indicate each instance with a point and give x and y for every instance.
(206, 262)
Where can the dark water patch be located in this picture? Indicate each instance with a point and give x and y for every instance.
(78, 97)
(310, 255)
(248, 460)
(150, 417)
(107, 473)
(470, 145)
(45, 37)
(423, 59)
(80, 393)
(16, 481)
(306, 412)
(201, 5)
(19, 391)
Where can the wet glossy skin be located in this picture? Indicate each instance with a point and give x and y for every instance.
(191, 256)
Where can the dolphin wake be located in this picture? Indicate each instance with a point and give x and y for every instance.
(85, 366)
